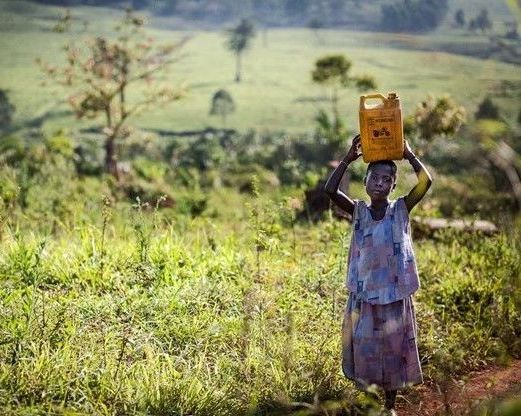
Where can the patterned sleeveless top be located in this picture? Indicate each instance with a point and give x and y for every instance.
(381, 263)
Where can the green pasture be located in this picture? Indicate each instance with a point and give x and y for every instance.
(276, 93)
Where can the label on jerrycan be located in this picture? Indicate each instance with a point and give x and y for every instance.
(381, 128)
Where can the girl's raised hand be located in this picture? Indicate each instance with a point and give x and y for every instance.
(407, 151)
(354, 151)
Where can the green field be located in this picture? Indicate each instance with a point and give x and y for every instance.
(277, 93)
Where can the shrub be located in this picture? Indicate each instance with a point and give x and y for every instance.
(487, 110)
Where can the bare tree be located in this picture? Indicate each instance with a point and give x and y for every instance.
(101, 74)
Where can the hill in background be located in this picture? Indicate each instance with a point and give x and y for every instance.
(391, 15)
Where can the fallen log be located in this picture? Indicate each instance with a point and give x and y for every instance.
(426, 227)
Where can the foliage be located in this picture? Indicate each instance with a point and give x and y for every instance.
(102, 73)
(413, 15)
(487, 109)
(239, 39)
(332, 70)
(438, 116)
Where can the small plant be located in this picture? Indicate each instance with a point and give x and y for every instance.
(106, 214)
(264, 222)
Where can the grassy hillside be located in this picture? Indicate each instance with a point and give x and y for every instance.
(276, 94)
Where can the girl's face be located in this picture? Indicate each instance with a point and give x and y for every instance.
(379, 182)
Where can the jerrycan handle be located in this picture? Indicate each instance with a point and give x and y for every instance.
(363, 98)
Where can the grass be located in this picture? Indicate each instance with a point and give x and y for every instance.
(144, 312)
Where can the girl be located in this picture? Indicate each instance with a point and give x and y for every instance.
(379, 329)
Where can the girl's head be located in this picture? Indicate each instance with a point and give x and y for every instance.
(380, 179)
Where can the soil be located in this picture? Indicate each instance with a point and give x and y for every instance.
(459, 397)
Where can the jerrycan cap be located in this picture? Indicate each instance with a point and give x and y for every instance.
(392, 95)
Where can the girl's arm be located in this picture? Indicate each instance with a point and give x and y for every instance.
(332, 184)
(423, 175)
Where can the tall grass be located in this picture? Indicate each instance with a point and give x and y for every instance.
(138, 313)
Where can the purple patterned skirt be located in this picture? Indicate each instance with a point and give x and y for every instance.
(379, 344)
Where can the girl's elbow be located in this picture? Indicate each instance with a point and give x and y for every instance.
(429, 179)
(426, 178)
(330, 190)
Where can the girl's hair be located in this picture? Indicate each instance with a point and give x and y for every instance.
(389, 163)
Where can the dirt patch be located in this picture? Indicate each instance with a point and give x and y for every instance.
(458, 397)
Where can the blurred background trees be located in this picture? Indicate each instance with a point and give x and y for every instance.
(413, 15)
(396, 15)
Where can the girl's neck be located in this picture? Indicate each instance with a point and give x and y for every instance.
(379, 204)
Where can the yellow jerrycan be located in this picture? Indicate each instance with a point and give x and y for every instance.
(381, 127)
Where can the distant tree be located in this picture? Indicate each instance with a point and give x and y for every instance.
(483, 21)
(519, 117)
(102, 73)
(487, 109)
(332, 71)
(222, 105)
(239, 39)
(6, 111)
(473, 25)
(459, 18)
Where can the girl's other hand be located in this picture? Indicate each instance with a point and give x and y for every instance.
(354, 151)
(407, 151)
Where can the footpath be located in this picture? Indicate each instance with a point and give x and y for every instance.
(461, 396)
